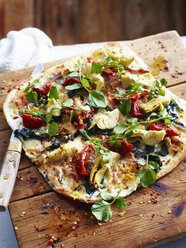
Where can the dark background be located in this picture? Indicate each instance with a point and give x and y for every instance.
(81, 21)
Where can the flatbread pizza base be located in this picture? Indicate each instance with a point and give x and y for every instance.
(15, 124)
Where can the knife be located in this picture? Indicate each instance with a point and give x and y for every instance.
(11, 162)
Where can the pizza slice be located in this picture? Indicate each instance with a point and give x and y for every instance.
(99, 123)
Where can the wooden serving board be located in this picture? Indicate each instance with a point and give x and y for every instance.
(153, 215)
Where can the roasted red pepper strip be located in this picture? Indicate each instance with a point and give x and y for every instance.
(170, 131)
(82, 162)
(32, 122)
(141, 71)
(43, 90)
(123, 149)
(71, 81)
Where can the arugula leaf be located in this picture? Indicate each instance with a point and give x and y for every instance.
(36, 84)
(127, 135)
(120, 202)
(106, 196)
(163, 82)
(97, 68)
(48, 118)
(73, 113)
(125, 106)
(85, 83)
(73, 86)
(52, 129)
(102, 210)
(132, 120)
(120, 128)
(115, 143)
(73, 74)
(167, 122)
(141, 161)
(32, 96)
(161, 92)
(146, 176)
(68, 103)
(120, 94)
(154, 165)
(79, 66)
(135, 88)
(97, 99)
(157, 90)
(27, 89)
(53, 93)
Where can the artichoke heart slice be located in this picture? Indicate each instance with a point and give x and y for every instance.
(151, 137)
(96, 79)
(106, 120)
(155, 103)
(101, 170)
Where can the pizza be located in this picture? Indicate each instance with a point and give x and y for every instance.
(99, 123)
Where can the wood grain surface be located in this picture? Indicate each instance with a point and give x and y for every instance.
(153, 215)
(81, 21)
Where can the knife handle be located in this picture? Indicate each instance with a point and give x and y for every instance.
(8, 176)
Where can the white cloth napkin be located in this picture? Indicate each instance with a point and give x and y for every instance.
(22, 48)
(30, 46)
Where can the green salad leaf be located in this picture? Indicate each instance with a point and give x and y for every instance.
(32, 96)
(52, 129)
(97, 68)
(97, 99)
(53, 93)
(125, 106)
(147, 176)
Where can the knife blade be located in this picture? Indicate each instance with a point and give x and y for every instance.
(11, 162)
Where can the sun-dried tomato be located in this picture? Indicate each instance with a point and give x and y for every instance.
(109, 71)
(80, 118)
(170, 131)
(140, 70)
(32, 122)
(82, 162)
(122, 149)
(71, 81)
(43, 90)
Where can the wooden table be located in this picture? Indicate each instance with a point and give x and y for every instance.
(153, 215)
